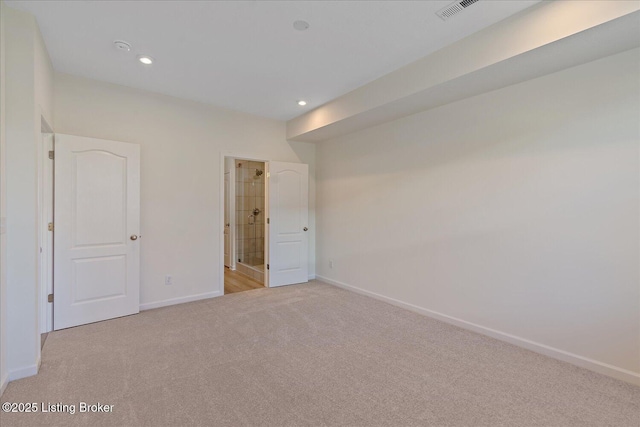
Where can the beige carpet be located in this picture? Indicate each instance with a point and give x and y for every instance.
(308, 355)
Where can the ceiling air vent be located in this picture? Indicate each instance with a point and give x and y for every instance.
(454, 8)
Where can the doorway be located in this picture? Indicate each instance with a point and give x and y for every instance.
(89, 222)
(244, 228)
(250, 222)
(45, 228)
(264, 207)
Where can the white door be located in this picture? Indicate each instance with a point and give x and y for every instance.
(288, 228)
(227, 241)
(97, 227)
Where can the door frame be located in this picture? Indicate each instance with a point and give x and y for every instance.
(45, 237)
(227, 204)
(232, 211)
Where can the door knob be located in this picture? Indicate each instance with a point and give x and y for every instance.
(305, 229)
(133, 237)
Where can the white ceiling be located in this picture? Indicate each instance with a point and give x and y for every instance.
(246, 55)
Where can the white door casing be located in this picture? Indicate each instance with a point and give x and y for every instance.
(97, 228)
(288, 195)
(45, 199)
(227, 220)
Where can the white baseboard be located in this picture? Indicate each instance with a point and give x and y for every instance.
(3, 384)
(27, 371)
(179, 300)
(584, 362)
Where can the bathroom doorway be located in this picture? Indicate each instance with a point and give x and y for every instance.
(250, 214)
(264, 215)
(245, 211)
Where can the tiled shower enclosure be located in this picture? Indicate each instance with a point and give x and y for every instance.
(250, 222)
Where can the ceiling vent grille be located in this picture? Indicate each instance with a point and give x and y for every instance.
(454, 8)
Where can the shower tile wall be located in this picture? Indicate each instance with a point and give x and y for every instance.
(250, 227)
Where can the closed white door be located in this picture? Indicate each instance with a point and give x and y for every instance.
(97, 227)
(227, 225)
(288, 223)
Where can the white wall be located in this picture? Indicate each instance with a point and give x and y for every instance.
(181, 143)
(28, 98)
(4, 370)
(43, 81)
(516, 211)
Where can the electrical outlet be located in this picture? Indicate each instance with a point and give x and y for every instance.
(330, 263)
(168, 280)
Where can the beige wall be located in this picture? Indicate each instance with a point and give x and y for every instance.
(516, 211)
(28, 99)
(181, 143)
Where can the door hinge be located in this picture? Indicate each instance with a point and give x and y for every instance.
(50, 226)
(267, 220)
(50, 298)
(267, 266)
(51, 155)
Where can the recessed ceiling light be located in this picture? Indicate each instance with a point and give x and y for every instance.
(301, 25)
(302, 103)
(122, 45)
(146, 60)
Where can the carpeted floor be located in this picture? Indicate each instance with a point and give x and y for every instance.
(308, 355)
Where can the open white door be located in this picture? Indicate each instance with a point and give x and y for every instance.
(288, 215)
(97, 223)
